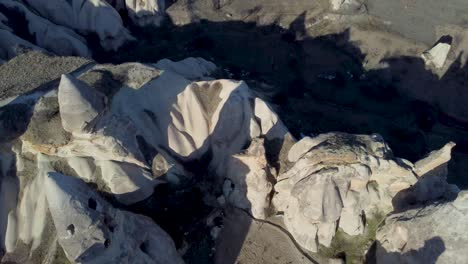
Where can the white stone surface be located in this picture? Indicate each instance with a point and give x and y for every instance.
(335, 177)
(79, 104)
(143, 13)
(91, 231)
(54, 38)
(247, 173)
(434, 160)
(435, 233)
(437, 55)
(87, 16)
(10, 45)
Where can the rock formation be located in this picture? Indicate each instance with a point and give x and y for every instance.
(96, 140)
(338, 181)
(66, 27)
(247, 183)
(43, 33)
(435, 233)
(90, 230)
(87, 16)
(113, 126)
(437, 55)
(79, 104)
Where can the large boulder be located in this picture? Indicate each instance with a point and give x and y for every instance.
(437, 55)
(142, 13)
(338, 181)
(79, 104)
(90, 230)
(435, 233)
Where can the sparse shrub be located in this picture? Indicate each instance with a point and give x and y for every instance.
(353, 248)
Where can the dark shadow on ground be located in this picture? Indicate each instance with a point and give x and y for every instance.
(318, 84)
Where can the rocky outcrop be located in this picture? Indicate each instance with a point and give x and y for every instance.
(11, 45)
(90, 230)
(79, 104)
(141, 13)
(87, 16)
(248, 181)
(135, 132)
(342, 181)
(435, 233)
(347, 5)
(65, 27)
(437, 55)
(120, 129)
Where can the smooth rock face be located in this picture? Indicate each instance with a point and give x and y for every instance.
(79, 104)
(250, 187)
(125, 129)
(437, 55)
(434, 233)
(337, 178)
(92, 231)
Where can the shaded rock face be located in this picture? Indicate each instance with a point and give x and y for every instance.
(90, 230)
(69, 27)
(431, 234)
(95, 16)
(437, 55)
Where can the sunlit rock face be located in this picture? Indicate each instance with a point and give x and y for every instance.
(58, 39)
(248, 184)
(437, 55)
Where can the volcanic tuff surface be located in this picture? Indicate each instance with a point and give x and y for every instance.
(199, 131)
(105, 139)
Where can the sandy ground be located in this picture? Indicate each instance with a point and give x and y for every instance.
(418, 19)
(247, 241)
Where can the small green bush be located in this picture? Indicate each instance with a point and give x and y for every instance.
(353, 248)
